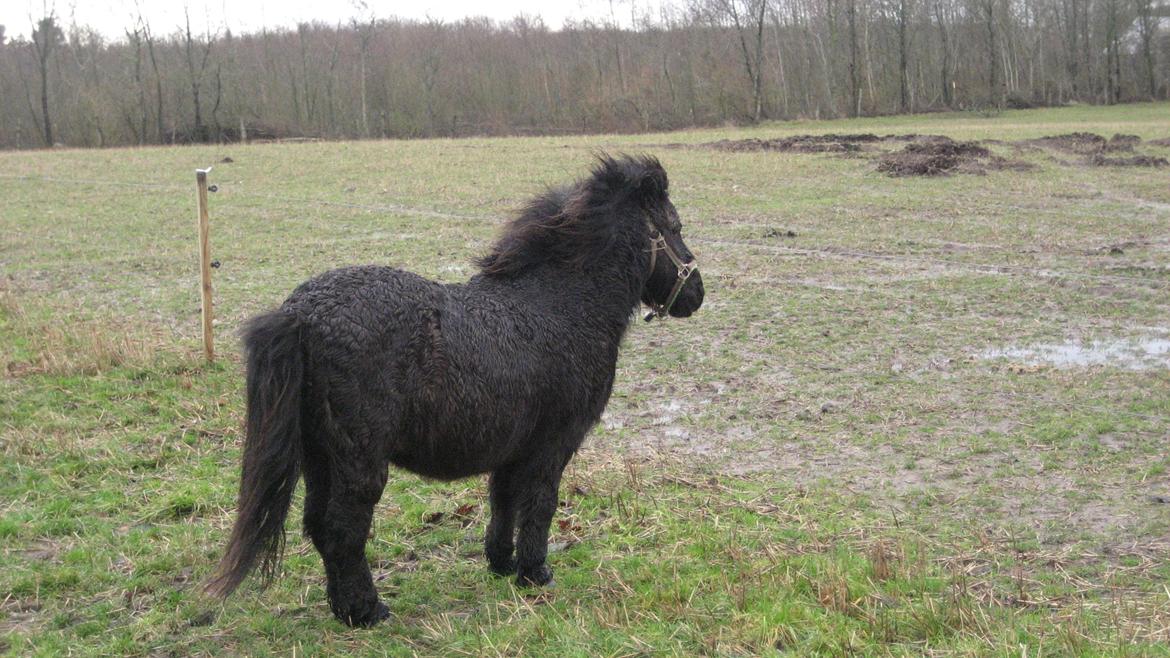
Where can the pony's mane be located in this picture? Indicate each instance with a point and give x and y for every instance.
(576, 223)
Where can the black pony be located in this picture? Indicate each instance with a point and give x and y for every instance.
(363, 367)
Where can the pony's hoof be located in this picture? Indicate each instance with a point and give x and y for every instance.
(540, 576)
(364, 618)
(505, 568)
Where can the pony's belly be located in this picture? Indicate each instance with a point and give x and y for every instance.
(452, 457)
(440, 471)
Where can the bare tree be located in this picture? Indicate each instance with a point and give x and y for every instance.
(854, 84)
(47, 36)
(197, 51)
(334, 55)
(134, 39)
(747, 16)
(945, 81)
(1071, 14)
(148, 37)
(989, 15)
(903, 13)
(1147, 26)
(365, 32)
(1112, 34)
(781, 79)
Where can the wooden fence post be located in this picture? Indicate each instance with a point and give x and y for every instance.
(205, 262)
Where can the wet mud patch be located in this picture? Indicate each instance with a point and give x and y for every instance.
(1143, 353)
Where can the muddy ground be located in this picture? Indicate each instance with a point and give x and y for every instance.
(978, 459)
(938, 155)
(995, 457)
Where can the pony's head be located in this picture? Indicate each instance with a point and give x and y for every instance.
(624, 202)
(673, 283)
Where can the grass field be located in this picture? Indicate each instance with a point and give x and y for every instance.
(864, 443)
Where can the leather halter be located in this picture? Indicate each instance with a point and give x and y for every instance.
(685, 270)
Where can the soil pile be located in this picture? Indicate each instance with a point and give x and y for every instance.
(1082, 143)
(831, 143)
(1089, 143)
(1095, 149)
(1119, 142)
(937, 157)
(1099, 160)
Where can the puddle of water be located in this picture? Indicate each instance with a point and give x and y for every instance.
(1129, 353)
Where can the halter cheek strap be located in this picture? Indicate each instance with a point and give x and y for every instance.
(684, 268)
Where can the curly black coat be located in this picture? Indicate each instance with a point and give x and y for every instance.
(363, 367)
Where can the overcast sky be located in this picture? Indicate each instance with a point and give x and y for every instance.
(111, 17)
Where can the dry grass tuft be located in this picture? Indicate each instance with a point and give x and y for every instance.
(884, 558)
(833, 593)
(69, 347)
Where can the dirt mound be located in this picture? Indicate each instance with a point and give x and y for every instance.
(827, 143)
(949, 147)
(1120, 142)
(1089, 143)
(831, 143)
(1165, 141)
(939, 157)
(922, 155)
(1099, 160)
(916, 137)
(1074, 142)
(845, 137)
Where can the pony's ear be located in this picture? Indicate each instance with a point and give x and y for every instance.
(639, 178)
(652, 182)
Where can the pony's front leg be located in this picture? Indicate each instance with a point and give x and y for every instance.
(536, 503)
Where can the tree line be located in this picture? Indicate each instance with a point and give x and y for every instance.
(702, 62)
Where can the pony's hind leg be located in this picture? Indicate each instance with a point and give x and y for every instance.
(344, 528)
(340, 494)
(315, 468)
(499, 542)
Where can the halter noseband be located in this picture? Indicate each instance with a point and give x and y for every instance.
(685, 270)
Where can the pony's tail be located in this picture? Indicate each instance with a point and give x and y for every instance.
(272, 451)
